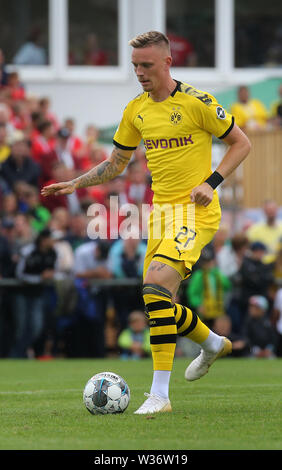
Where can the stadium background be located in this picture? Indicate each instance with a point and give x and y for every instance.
(230, 43)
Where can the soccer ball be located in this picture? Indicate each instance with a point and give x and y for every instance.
(106, 393)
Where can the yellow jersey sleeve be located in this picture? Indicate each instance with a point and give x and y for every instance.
(212, 117)
(127, 136)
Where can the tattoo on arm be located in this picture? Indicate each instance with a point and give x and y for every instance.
(105, 171)
(158, 267)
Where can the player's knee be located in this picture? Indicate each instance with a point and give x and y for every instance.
(155, 297)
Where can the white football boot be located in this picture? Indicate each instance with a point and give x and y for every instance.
(154, 404)
(200, 366)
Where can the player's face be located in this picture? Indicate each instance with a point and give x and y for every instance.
(151, 65)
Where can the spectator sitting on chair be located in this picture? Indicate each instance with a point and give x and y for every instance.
(19, 166)
(134, 341)
(207, 288)
(258, 329)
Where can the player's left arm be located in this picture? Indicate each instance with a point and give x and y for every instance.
(238, 148)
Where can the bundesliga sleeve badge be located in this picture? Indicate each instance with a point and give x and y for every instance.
(220, 112)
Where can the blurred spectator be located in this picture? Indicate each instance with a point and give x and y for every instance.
(23, 235)
(9, 205)
(258, 329)
(66, 296)
(20, 117)
(249, 113)
(93, 54)
(139, 155)
(207, 288)
(37, 265)
(5, 150)
(93, 155)
(134, 341)
(240, 344)
(47, 115)
(14, 89)
(78, 230)
(90, 264)
(19, 166)
(221, 238)
(269, 231)
(61, 165)
(230, 257)
(5, 116)
(91, 135)
(126, 256)
(277, 320)
(276, 109)
(125, 260)
(35, 121)
(38, 214)
(182, 51)
(255, 276)
(32, 103)
(65, 255)
(60, 221)
(75, 143)
(63, 149)
(137, 186)
(43, 142)
(31, 52)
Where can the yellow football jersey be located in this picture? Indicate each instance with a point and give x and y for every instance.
(177, 134)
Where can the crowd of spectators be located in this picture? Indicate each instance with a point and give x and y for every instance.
(64, 302)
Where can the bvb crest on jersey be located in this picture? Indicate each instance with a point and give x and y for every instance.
(176, 116)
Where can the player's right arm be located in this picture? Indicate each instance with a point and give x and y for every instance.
(102, 173)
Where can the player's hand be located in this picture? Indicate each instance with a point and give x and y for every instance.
(202, 194)
(58, 189)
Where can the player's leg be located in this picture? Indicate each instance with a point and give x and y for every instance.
(161, 284)
(189, 325)
(212, 345)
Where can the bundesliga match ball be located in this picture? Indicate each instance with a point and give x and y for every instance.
(106, 393)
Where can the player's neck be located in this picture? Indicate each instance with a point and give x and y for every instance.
(164, 91)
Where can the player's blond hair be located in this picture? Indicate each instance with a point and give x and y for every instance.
(150, 38)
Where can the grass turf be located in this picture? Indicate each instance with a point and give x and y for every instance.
(237, 405)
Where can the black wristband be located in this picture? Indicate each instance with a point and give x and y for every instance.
(214, 179)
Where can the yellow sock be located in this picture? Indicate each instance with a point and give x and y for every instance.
(162, 323)
(189, 324)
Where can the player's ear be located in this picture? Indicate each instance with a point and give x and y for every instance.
(168, 61)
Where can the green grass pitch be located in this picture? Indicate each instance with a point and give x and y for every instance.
(236, 406)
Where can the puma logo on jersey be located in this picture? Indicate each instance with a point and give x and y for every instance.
(140, 117)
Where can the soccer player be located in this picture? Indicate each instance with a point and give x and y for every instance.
(176, 123)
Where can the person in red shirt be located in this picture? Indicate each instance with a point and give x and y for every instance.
(75, 143)
(93, 54)
(44, 142)
(182, 51)
(14, 89)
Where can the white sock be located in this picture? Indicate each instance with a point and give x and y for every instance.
(160, 384)
(213, 343)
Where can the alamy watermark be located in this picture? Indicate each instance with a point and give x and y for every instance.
(169, 221)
